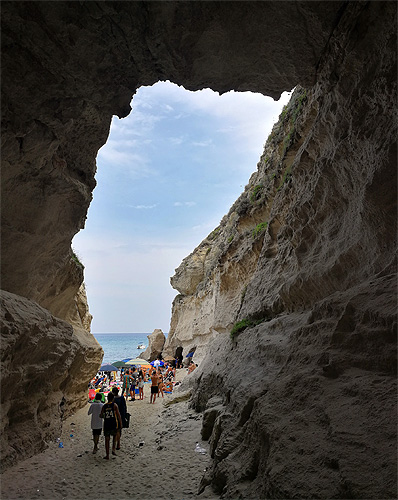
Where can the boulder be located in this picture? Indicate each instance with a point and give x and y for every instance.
(38, 392)
(156, 342)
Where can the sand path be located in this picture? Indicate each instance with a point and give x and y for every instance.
(165, 466)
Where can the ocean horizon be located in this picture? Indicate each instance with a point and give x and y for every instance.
(119, 346)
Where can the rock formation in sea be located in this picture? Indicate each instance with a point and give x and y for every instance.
(301, 401)
(156, 342)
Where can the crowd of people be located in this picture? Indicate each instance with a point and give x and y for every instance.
(112, 416)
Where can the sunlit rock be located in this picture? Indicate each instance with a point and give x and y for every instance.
(156, 342)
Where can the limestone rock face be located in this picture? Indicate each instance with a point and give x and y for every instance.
(304, 266)
(82, 308)
(45, 364)
(155, 345)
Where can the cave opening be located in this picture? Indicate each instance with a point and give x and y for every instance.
(166, 176)
(67, 68)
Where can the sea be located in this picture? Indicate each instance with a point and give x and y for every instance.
(118, 346)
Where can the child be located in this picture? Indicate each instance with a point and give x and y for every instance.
(96, 421)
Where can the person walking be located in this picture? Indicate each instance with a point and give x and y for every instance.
(126, 384)
(133, 383)
(96, 421)
(160, 383)
(154, 386)
(112, 422)
(141, 384)
(121, 404)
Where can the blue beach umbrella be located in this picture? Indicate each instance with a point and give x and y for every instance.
(157, 362)
(125, 360)
(106, 367)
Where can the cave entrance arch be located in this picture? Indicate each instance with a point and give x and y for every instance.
(166, 176)
(54, 122)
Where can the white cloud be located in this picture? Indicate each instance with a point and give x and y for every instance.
(143, 207)
(253, 115)
(184, 204)
(203, 144)
(138, 123)
(176, 141)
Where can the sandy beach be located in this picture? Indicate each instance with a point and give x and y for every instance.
(157, 459)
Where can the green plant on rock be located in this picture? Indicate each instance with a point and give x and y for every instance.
(75, 259)
(241, 325)
(298, 104)
(256, 194)
(283, 114)
(259, 229)
(214, 233)
(286, 177)
(287, 141)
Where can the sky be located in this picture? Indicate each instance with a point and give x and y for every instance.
(165, 178)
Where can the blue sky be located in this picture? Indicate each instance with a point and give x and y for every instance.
(167, 175)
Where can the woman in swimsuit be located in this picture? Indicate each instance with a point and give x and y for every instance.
(160, 384)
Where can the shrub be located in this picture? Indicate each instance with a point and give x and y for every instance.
(214, 233)
(241, 325)
(75, 259)
(256, 192)
(259, 229)
(286, 177)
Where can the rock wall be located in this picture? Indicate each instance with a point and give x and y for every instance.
(67, 67)
(297, 287)
(310, 392)
(45, 365)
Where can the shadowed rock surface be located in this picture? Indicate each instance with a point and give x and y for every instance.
(45, 365)
(304, 396)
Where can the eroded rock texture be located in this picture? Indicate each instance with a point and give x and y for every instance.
(45, 364)
(155, 345)
(67, 67)
(302, 402)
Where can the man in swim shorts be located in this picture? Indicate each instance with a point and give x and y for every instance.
(154, 386)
